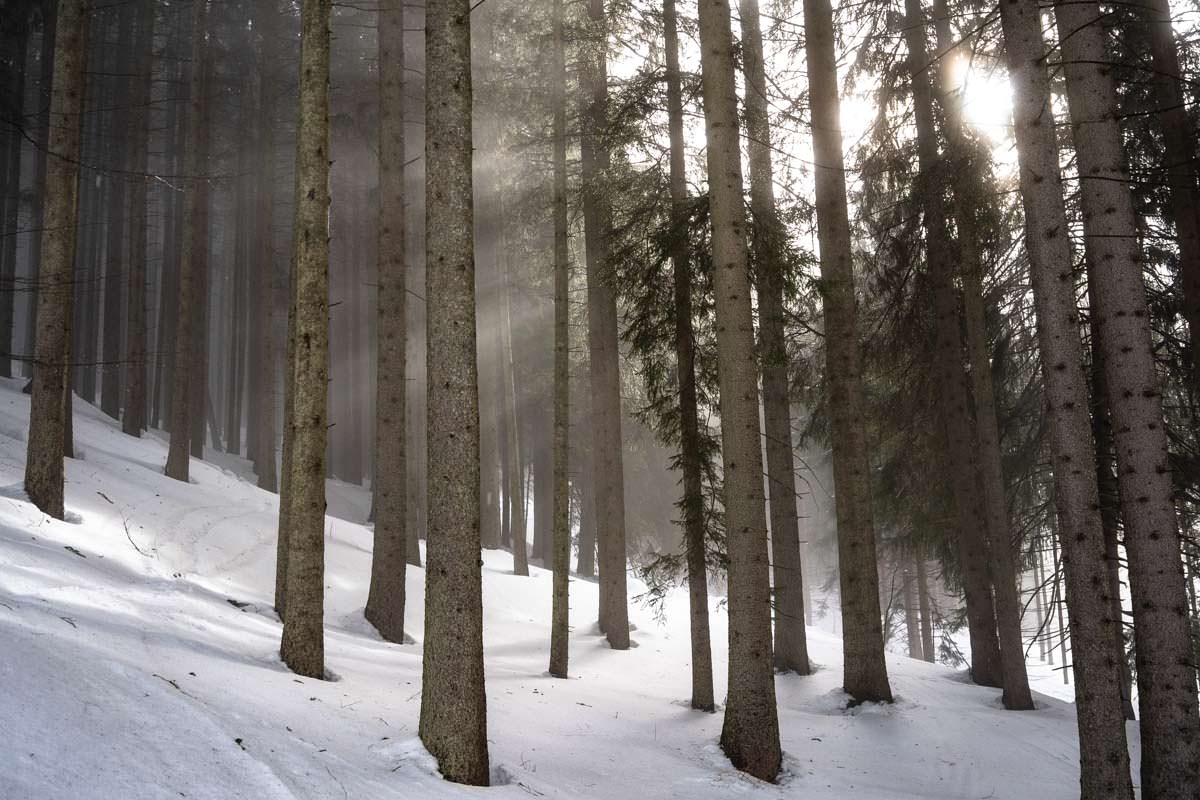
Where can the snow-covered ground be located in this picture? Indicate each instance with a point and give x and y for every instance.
(138, 659)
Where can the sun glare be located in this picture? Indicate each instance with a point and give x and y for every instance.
(987, 102)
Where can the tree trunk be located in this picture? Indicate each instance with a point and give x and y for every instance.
(604, 357)
(750, 734)
(516, 471)
(49, 394)
(560, 544)
(303, 644)
(912, 614)
(977, 526)
(1179, 144)
(791, 644)
(173, 209)
(14, 98)
(117, 256)
(453, 723)
(386, 598)
(194, 247)
(928, 651)
(134, 420)
(689, 426)
(1110, 502)
(46, 90)
(865, 669)
(244, 208)
(585, 565)
(264, 271)
(989, 461)
(1104, 761)
(1170, 727)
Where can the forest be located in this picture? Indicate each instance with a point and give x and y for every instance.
(600, 398)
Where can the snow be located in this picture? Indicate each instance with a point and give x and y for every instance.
(139, 660)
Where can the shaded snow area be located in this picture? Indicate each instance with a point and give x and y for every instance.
(138, 659)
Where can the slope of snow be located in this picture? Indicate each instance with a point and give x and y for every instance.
(139, 660)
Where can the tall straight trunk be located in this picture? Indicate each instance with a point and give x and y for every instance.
(117, 256)
(502, 434)
(282, 547)
(1039, 611)
(1110, 501)
(173, 209)
(865, 675)
(585, 565)
(45, 93)
(263, 279)
(95, 189)
(303, 645)
(604, 357)
(927, 647)
(543, 479)
(1061, 606)
(133, 422)
(386, 598)
(750, 734)
(234, 387)
(560, 545)
(1170, 727)
(1046, 602)
(355, 400)
(516, 472)
(49, 394)
(912, 614)
(971, 467)
(200, 398)
(12, 92)
(453, 723)
(1179, 144)
(194, 247)
(791, 644)
(685, 365)
(1104, 760)
(988, 455)
(958, 435)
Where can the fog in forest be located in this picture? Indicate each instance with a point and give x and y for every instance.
(818, 352)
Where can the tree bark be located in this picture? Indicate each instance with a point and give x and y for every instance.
(194, 248)
(303, 645)
(1104, 760)
(1170, 727)
(56, 285)
(117, 251)
(46, 90)
(263, 278)
(516, 471)
(928, 651)
(989, 459)
(750, 734)
(1179, 144)
(604, 356)
(983, 530)
(14, 99)
(561, 538)
(912, 613)
(453, 723)
(791, 644)
(386, 597)
(1110, 502)
(865, 675)
(133, 422)
(685, 364)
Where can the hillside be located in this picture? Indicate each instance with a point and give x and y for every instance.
(140, 661)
